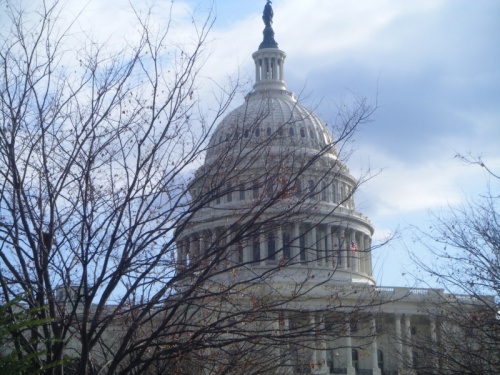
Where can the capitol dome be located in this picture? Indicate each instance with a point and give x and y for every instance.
(272, 114)
(273, 192)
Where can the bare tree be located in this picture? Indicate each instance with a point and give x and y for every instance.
(98, 197)
(465, 246)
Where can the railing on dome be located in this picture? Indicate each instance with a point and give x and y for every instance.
(400, 292)
(395, 293)
(352, 213)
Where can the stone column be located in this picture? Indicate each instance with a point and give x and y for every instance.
(366, 247)
(247, 249)
(200, 246)
(279, 244)
(434, 343)
(336, 250)
(275, 68)
(348, 349)
(369, 253)
(314, 245)
(235, 249)
(399, 340)
(374, 350)
(276, 331)
(203, 245)
(409, 351)
(344, 246)
(295, 244)
(366, 255)
(286, 325)
(193, 247)
(329, 255)
(210, 245)
(263, 248)
(229, 249)
(322, 367)
(312, 325)
(361, 252)
(180, 255)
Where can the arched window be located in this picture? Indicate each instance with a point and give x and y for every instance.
(256, 132)
(246, 133)
(269, 131)
(271, 247)
(292, 132)
(302, 132)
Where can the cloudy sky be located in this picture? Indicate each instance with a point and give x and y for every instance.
(432, 67)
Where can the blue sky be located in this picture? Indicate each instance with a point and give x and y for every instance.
(432, 66)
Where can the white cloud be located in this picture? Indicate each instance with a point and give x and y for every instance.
(404, 188)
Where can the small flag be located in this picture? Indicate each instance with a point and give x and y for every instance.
(353, 246)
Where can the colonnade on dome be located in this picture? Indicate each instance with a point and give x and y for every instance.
(305, 244)
(269, 68)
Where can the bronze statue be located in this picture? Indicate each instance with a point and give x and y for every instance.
(267, 17)
(268, 14)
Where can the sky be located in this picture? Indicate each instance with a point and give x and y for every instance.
(432, 68)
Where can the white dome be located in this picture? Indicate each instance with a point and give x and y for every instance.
(274, 115)
(273, 150)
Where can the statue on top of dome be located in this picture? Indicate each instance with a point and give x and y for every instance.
(267, 17)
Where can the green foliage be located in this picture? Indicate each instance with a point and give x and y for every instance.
(19, 353)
